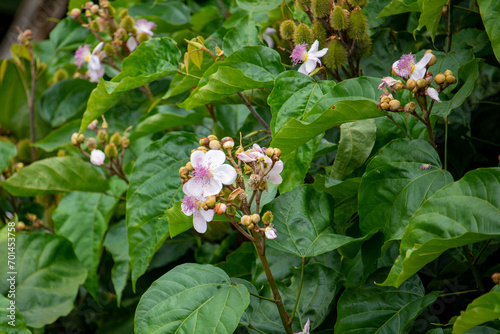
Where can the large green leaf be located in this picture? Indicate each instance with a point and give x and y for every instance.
(303, 219)
(12, 322)
(248, 68)
(53, 175)
(258, 5)
(351, 100)
(116, 243)
(48, 277)
(83, 219)
(356, 143)
(490, 9)
(399, 7)
(395, 185)
(243, 34)
(168, 16)
(192, 298)
(483, 309)
(154, 187)
(61, 137)
(68, 35)
(7, 151)
(239, 263)
(384, 310)
(462, 213)
(431, 12)
(65, 100)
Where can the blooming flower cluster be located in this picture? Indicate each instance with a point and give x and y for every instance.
(142, 26)
(309, 59)
(93, 60)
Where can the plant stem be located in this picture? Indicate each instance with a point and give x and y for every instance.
(223, 8)
(272, 283)
(298, 292)
(254, 112)
(446, 143)
(399, 126)
(475, 273)
(448, 30)
(458, 293)
(31, 104)
(262, 297)
(255, 329)
(467, 9)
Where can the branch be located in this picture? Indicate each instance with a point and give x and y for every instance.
(254, 112)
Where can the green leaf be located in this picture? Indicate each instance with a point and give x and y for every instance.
(394, 186)
(68, 34)
(54, 175)
(431, 12)
(7, 151)
(178, 222)
(258, 5)
(65, 100)
(462, 213)
(168, 16)
(166, 117)
(399, 7)
(356, 143)
(297, 164)
(490, 9)
(348, 101)
(12, 322)
(483, 309)
(303, 219)
(76, 4)
(279, 263)
(60, 137)
(248, 68)
(116, 243)
(83, 219)
(48, 277)
(240, 262)
(384, 310)
(154, 187)
(243, 34)
(192, 298)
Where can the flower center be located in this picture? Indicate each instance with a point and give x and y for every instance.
(412, 69)
(190, 204)
(203, 172)
(87, 58)
(305, 57)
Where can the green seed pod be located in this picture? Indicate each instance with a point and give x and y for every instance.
(267, 218)
(108, 48)
(24, 150)
(336, 55)
(60, 74)
(321, 8)
(287, 29)
(362, 47)
(116, 139)
(303, 34)
(358, 3)
(339, 18)
(123, 13)
(127, 23)
(94, 25)
(102, 136)
(143, 37)
(358, 25)
(319, 33)
(111, 151)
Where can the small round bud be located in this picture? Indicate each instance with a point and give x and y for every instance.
(448, 72)
(61, 153)
(60, 75)
(88, 4)
(255, 218)
(321, 8)
(81, 138)
(108, 48)
(102, 136)
(385, 99)
(287, 30)
(227, 143)
(204, 205)
(339, 18)
(422, 83)
(183, 172)
(74, 139)
(267, 218)
(428, 51)
(303, 34)
(277, 152)
(189, 166)
(94, 9)
(123, 13)
(440, 78)
(116, 139)
(411, 106)
(246, 220)
(20, 226)
(203, 149)
(143, 37)
(451, 79)
(75, 13)
(111, 151)
(125, 142)
(394, 105)
(495, 278)
(212, 137)
(270, 152)
(211, 200)
(91, 144)
(127, 23)
(220, 208)
(204, 142)
(251, 226)
(432, 61)
(214, 145)
(336, 55)
(358, 24)
(384, 106)
(94, 25)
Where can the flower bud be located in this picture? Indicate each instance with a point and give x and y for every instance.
(18, 166)
(214, 145)
(220, 208)
(428, 51)
(321, 8)
(94, 25)
(189, 166)
(422, 83)
(183, 172)
(385, 99)
(303, 34)
(287, 30)
(75, 13)
(108, 48)
(81, 138)
(448, 72)
(394, 105)
(61, 153)
(74, 139)
(123, 13)
(227, 143)
(384, 106)
(267, 218)
(495, 278)
(211, 200)
(88, 4)
(409, 107)
(246, 220)
(102, 135)
(94, 9)
(336, 55)
(440, 78)
(231, 210)
(127, 23)
(451, 79)
(60, 75)
(358, 24)
(203, 149)
(339, 18)
(204, 142)
(143, 37)
(111, 151)
(270, 152)
(255, 218)
(432, 61)
(20, 226)
(116, 139)
(277, 152)
(212, 137)
(125, 142)
(91, 144)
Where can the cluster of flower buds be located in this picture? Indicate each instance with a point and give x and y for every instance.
(212, 186)
(25, 37)
(118, 38)
(339, 26)
(418, 80)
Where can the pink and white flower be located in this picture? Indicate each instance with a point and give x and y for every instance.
(389, 81)
(309, 59)
(406, 67)
(97, 157)
(267, 36)
(433, 94)
(259, 154)
(191, 206)
(210, 173)
(307, 328)
(95, 68)
(270, 232)
(141, 26)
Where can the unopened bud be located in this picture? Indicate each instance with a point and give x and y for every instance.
(204, 142)
(102, 135)
(125, 142)
(143, 37)
(75, 13)
(246, 220)
(339, 18)
(20, 226)
(255, 218)
(123, 13)
(81, 138)
(394, 105)
(212, 137)
(267, 218)
(358, 24)
(116, 139)
(111, 151)
(385, 99)
(211, 200)
(94, 9)
(189, 166)
(183, 172)
(214, 145)
(495, 278)
(440, 78)
(203, 149)
(91, 144)
(270, 152)
(303, 34)
(422, 83)
(428, 51)
(108, 48)
(384, 106)
(451, 79)
(448, 72)
(277, 152)
(411, 106)
(432, 61)
(220, 208)
(411, 84)
(227, 143)
(127, 23)
(74, 139)
(231, 210)
(94, 25)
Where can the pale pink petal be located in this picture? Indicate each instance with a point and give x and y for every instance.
(98, 47)
(271, 233)
(424, 61)
(395, 67)
(208, 215)
(310, 64)
(256, 155)
(94, 75)
(132, 43)
(278, 167)
(418, 73)
(97, 157)
(225, 174)
(433, 94)
(274, 178)
(199, 223)
(215, 157)
(211, 187)
(314, 47)
(244, 157)
(193, 187)
(198, 159)
(94, 63)
(257, 148)
(302, 69)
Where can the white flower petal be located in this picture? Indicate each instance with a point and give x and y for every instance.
(212, 187)
(302, 69)
(194, 187)
(225, 174)
(98, 47)
(278, 167)
(418, 73)
(97, 157)
(433, 94)
(310, 64)
(269, 40)
(94, 63)
(244, 157)
(314, 47)
(424, 61)
(274, 178)
(198, 159)
(132, 43)
(215, 157)
(199, 223)
(208, 215)
(320, 53)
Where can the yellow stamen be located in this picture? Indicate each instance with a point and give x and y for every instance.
(306, 56)
(412, 69)
(87, 58)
